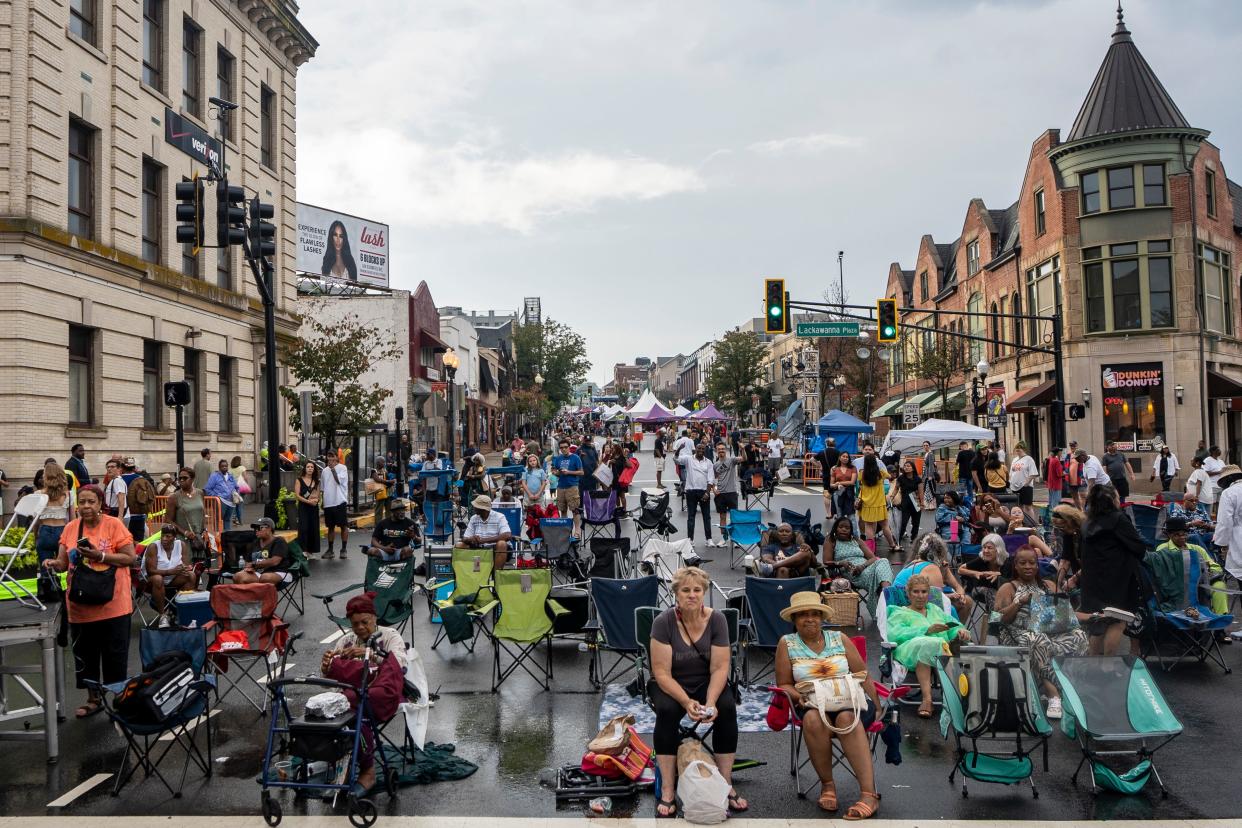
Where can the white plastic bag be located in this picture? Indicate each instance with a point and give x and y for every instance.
(327, 705)
(704, 793)
(417, 715)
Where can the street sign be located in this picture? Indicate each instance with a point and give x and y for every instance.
(828, 329)
(176, 393)
(910, 413)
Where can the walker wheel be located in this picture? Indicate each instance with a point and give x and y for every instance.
(390, 781)
(362, 813)
(271, 811)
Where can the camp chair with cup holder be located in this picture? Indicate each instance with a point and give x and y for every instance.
(393, 585)
(757, 488)
(892, 671)
(745, 534)
(653, 517)
(524, 622)
(614, 602)
(438, 520)
(611, 558)
(761, 620)
(662, 558)
(463, 614)
(561, 551)
(1179, 626)
(250, 636)
(164, 707)
(992, 701)
(599, 513)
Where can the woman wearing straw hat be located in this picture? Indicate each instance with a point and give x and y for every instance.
(811, 652)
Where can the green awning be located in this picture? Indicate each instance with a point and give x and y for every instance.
(922, 399)
(957, 401)
(889, 408)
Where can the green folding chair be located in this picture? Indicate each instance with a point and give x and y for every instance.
(293, 594)
(463, 614)
(527, 612)
(393, 585)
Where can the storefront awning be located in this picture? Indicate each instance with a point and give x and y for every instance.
(1038, 396)
(956, 402)
(889, 408)
(1220, 386)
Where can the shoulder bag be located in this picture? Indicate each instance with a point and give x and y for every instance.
(834, 695)
(91, 587)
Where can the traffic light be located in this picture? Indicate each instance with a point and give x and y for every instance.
(775, 307)
(230, 214)
(176, 393)
(886, 317)
(261, 231)
(190, 212)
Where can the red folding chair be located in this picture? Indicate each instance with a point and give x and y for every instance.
(250, 636)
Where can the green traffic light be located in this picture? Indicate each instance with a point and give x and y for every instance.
(775, 310)
(888, 331)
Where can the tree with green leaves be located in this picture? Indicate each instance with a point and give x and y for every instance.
(555, 351)
(328, 359)
(936, 359)
(738, 367)
(529, 407)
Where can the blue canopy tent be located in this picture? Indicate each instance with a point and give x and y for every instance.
(843, 428)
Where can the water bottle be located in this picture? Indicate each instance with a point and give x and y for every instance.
(600, 806)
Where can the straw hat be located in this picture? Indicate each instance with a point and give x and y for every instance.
(482, 502)
(1230, 471)
(803, 602)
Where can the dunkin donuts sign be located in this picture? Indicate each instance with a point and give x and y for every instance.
(1144, 375)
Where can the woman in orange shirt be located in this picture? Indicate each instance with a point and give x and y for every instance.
(99, 629)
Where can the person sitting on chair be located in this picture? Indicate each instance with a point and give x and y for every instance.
(396, 537)
(269, 563)
(690, 657)
(785, 555)
(487, 528)
(812, 652)
(168, 568)
(923, 631)
(1173, 596)
(506, 499)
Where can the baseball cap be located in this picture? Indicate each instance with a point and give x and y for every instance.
(399, 503)
(264, 521)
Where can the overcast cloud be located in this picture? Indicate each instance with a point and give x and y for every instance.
(641, 166)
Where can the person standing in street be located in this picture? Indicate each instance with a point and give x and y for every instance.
(1092, 471)
(1117, 467)
(965, 462)
(930, 475)
(1166, 467)
(1022, 476)
(979, 467)
(569, 473)
(115, 491)
(590, 462)
(1212, 464)
(725, 468)
(1201, 452)
(76, 466)
(657, 452)
(308, 494)
(203, 469)
(1200, 484)
(1054, 476)
(1228, 534)
(699, 478)
(776, 453)
(222, 485)
(334, 485)
(827, 458)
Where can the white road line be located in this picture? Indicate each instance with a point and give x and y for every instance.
(332, 637)
(168, 737)
(790, 490)
(65, 798)
(288, 667)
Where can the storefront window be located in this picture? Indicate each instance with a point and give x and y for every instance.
(1133, 406)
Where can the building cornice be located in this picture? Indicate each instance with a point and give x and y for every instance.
(1191, 134)
(277, 19)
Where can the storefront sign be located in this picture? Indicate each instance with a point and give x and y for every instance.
(191, 139)
(1133, 405)
(996, 407)
(1145, 375)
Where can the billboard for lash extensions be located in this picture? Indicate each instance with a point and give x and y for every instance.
(343, 247)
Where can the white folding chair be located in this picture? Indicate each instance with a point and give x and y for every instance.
(31, 506)
(663, 558)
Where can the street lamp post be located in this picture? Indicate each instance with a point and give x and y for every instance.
(539, 414)
(450, 370)
(978, 382)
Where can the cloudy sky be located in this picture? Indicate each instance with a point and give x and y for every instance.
(642, 165)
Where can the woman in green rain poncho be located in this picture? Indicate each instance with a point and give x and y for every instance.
(922, 631)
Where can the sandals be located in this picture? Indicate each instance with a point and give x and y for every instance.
(670, 805)
(926, 712)
(736, 804)
(828, 796)
(862, 809)
(90, 708)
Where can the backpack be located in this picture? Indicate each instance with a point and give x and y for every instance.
(156, 694)
(141, 498)
(997, 697)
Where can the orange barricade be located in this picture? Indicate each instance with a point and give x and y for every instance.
(811, 470)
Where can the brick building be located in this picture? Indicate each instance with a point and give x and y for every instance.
(1128, 230)
(103, 109)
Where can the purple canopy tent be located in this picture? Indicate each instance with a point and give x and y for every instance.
(711, 412)
(657, 414)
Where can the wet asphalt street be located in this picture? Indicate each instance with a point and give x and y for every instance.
(516, 733)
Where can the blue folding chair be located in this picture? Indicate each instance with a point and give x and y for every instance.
(1186, 635)
(762, 622)
(745, 534)
(149, 741)
(799, 521)
(611, 630)
(512, 516)
(1146, 519)
(437, 483)
(438, 516)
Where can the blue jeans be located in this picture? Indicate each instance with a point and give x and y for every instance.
(47, 542)
(227, 510)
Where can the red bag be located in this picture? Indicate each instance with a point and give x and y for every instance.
(779, 711)
(631, 467)
(629, 762)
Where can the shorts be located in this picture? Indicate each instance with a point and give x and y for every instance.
(1122, 485)
(658, 463)
(725, 501)
(568, 499)
(1026, 495)
(335, 516)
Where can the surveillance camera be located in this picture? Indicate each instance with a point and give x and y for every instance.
(222, 104)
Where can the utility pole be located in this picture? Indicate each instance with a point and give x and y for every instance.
(841, 280)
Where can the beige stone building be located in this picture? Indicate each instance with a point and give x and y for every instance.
(104, 107)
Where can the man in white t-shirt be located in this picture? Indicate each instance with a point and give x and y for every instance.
(1022, 476)
(1092, 470)
(1212, 464)
(683, 449)
(1200, 483)
(335, 482)
(776, 452)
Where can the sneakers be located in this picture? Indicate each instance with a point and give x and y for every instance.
(165, 623)
(760, 567)
(330, 554)
(1054, 708)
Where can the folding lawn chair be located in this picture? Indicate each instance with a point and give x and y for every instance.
(1181, 621)
(599, 511)
(393, 585)
(525, 621)
(1146, 520)
(757, 490)
(653, 517)
(438, 520)
(991, 697)
(250, 636)
(293, 593)
(662, 558)
(610, 558)
(1110, 704)
(798, 762)
(762, 622)
(614, 602)
(892, 671)
(799, 521)
(559, 548)
(745, 534)
(644, 617)
(154, 725)
(28, 509)
(463, 614)
(513, 517)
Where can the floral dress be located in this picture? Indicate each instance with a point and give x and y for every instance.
(1027, 630)
(867, 580)
(809, 665)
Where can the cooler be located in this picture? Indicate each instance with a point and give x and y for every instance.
(193, 608)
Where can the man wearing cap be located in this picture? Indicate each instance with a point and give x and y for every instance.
(487, 528)
(395, 537)
(1173, 594)
(269, 563)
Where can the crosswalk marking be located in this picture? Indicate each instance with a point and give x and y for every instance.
(65, 798)
(332, 637)
(168, 737)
